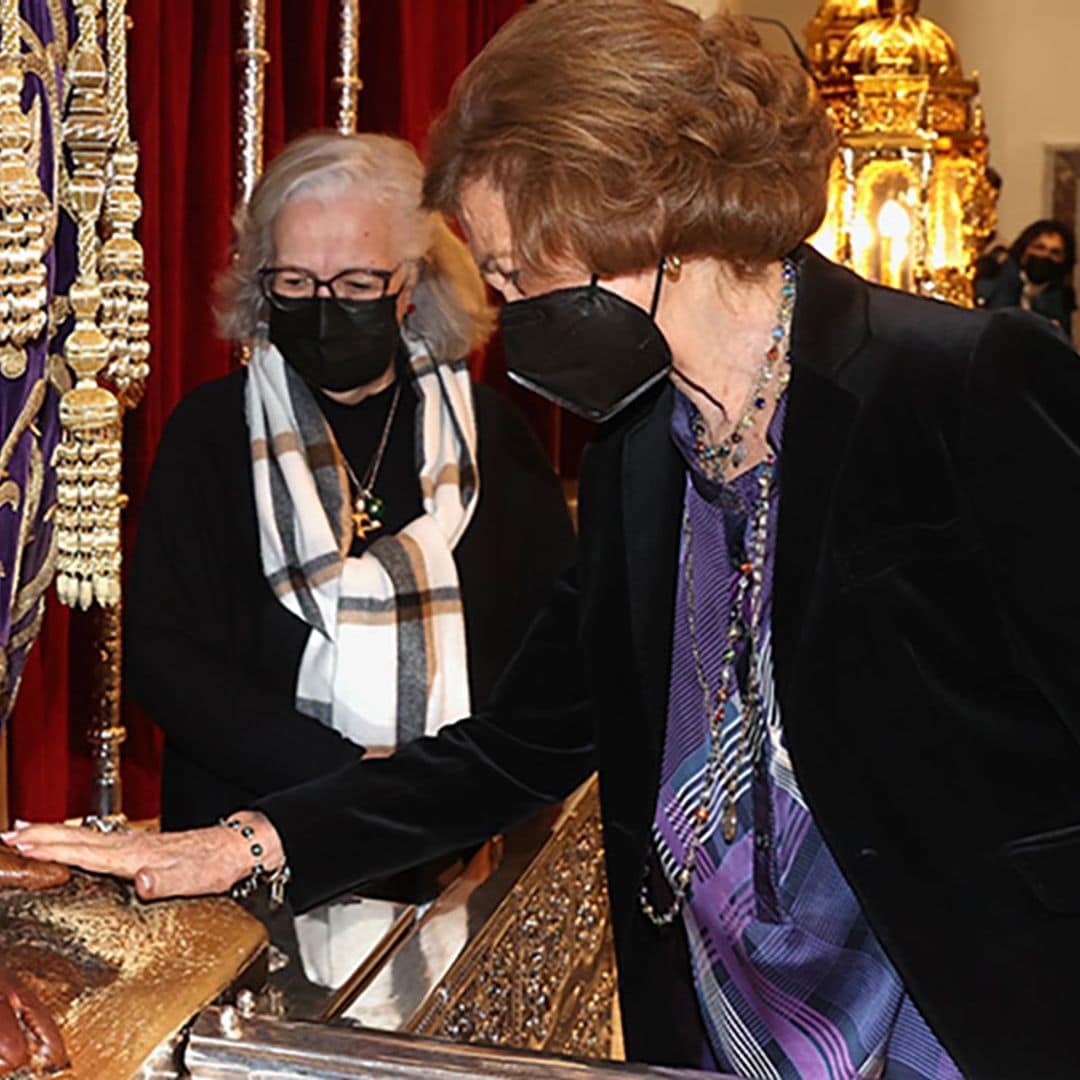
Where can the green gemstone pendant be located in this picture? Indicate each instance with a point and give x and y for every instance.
(367, 515)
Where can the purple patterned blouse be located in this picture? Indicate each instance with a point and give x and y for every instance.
(791, 980)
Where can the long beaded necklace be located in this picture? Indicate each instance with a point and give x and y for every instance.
(750, 584)
(368, 508)
(731, 451)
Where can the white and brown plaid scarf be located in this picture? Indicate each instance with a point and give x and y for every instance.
(385, 660)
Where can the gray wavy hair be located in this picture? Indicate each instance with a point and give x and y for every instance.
(450, 307)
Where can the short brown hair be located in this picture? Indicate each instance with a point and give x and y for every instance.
(621, 130)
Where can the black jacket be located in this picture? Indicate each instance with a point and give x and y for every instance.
(926, 626)
(213, 655)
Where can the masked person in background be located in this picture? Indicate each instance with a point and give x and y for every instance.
(1036, 276)
(343, 542)
(820, 652)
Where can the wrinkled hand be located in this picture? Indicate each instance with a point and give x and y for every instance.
(28, 1034)
(192, 863)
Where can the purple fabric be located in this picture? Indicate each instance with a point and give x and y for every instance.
(25, 532)
(791, 980)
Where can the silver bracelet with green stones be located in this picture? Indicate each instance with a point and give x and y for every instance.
(275, 879)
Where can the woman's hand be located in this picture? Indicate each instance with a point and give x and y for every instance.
(28, 1034)
(192, 863)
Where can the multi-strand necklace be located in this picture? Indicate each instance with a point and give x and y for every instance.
(745, 626)
(730, 453)
(368, 508)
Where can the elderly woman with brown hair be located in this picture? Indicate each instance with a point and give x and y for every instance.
(341, 543)
(820, 643)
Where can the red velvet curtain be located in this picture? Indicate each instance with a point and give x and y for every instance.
(182, 91)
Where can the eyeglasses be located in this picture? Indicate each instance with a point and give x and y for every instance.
(500, 279)
(280, 284)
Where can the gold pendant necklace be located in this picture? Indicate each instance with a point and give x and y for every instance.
(368, 509)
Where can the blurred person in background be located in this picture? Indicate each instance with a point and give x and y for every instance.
(1035, 274)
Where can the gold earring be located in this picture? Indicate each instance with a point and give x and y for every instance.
(672, 267)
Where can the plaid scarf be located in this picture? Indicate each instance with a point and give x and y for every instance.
(385, 661)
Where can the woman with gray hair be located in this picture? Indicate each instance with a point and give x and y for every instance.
(342, 542)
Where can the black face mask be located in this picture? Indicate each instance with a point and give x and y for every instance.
(336, 344)
(585, 348)
(1041, 270)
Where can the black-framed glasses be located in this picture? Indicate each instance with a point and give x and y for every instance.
(280, 284)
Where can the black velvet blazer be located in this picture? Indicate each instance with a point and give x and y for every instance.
(926, 629)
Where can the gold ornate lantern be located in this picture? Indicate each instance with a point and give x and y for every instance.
(909, 200)
(830, 27)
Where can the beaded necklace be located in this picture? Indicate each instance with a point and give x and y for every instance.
(750, 584)
(731, 451)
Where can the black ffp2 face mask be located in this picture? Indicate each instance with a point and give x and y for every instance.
(585, 348)
(1042, 270)
(336, 344)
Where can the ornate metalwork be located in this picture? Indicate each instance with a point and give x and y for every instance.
(252, 58)
(225, 1045)
(541, 973)
(106, 733)
(911, 204)
(348, 83)
(829, 28)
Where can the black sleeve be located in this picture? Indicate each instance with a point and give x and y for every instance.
(442, 793)
(520, 540)
(1019, 472)
(181, 662)
(530, 494)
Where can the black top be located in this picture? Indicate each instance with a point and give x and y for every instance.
(926, 627)
(213, 656)
(358, 430)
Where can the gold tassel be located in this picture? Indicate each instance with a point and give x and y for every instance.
(24, 212)
(125, 310)
(87, 458)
